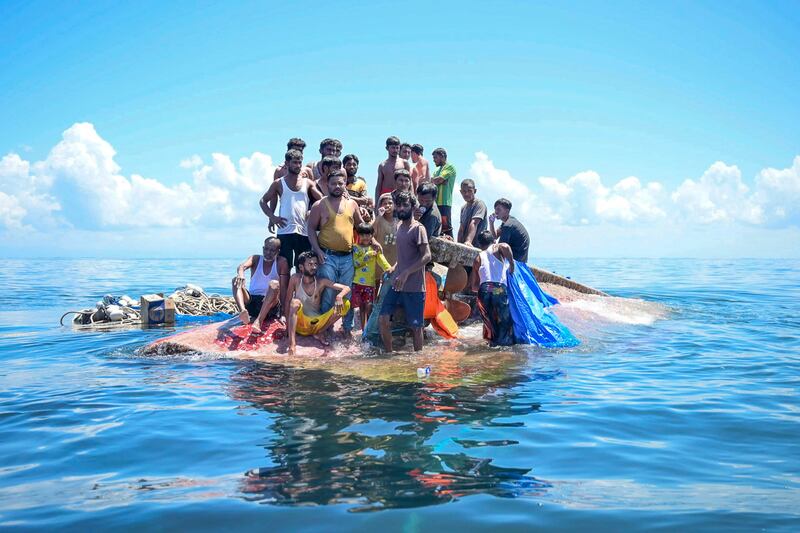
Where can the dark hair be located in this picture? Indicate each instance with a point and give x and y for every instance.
(404, 144)
(328, 161)
(504, 203)
(392, 141)
(336, 143)
(336, 174)
(404, 197)
(296, 142)
(468, 182)
(484, 239)
(417, 149)
(365, 229)
(427, 188)
(292, 153)
(272, 238)
(348, 158)
(402, 172)
(440, 151)
(305, 256)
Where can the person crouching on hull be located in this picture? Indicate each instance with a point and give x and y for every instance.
(490, 272)
(304, 296)
(269, 275)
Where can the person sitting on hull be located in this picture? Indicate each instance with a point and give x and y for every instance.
(490, 272)
(511, 231)
(269, 276)
(302, 308)
(427, 213)
(408, 280)
(473, 215)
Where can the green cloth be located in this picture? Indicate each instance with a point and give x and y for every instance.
(444, 195)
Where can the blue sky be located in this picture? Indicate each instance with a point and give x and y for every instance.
(661, 92)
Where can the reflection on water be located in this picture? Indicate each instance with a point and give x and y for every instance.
(345, 440)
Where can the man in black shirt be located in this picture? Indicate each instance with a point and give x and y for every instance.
(511, 231)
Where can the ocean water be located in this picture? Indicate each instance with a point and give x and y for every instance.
(678, 411)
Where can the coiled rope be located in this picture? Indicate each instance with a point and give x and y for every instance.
(190, 301)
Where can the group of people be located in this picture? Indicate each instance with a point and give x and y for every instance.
(343, 243)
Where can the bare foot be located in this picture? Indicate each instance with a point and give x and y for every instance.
(244, 316)
(292, 351)
(323, 339)
(256, 327)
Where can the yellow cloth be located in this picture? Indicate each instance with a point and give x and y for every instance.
(311, 325)
(365, 261)
(337, 233)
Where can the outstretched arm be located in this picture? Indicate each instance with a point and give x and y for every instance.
(287, 300)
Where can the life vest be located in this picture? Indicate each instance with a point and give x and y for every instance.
(441, 319)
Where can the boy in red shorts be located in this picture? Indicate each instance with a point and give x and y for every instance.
(367, 256)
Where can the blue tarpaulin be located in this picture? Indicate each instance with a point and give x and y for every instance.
(533, 324)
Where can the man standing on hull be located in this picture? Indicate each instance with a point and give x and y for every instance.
(473, 215)
(269, 276)
(444, 177)
(408, 280)
(387, 169)
(420, 171)
(327, 148)
(294, 192)
(334, 217)
(295, 143)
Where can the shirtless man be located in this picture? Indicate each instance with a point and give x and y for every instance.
(421, 171)
(294, 192)
(386, 169)
(302, 308)
(295, 143)
(269, 275)
(405, 153)
(327, 148)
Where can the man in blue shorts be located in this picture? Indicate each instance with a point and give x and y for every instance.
(408, 280)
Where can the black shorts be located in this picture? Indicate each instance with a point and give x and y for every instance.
(413, 304)
(447, 220)
(254, 307)
(292, 245)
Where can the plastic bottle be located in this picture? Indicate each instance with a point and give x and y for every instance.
(424, 372)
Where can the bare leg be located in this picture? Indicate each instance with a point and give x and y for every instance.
(270, 300)
(417, 333)
(242, 298)
(321, 335)
(291, 325)
(386, 334)
(367, 310)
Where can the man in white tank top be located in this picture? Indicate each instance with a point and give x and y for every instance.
(294, 191)
(490, 272)
(269, 277)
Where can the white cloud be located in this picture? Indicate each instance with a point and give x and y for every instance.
(778, 195)
(81, 172)
(718, 196)
(192, 162)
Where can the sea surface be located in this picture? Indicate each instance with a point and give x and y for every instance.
(679, 411)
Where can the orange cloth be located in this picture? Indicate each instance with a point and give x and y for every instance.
(441, 319)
